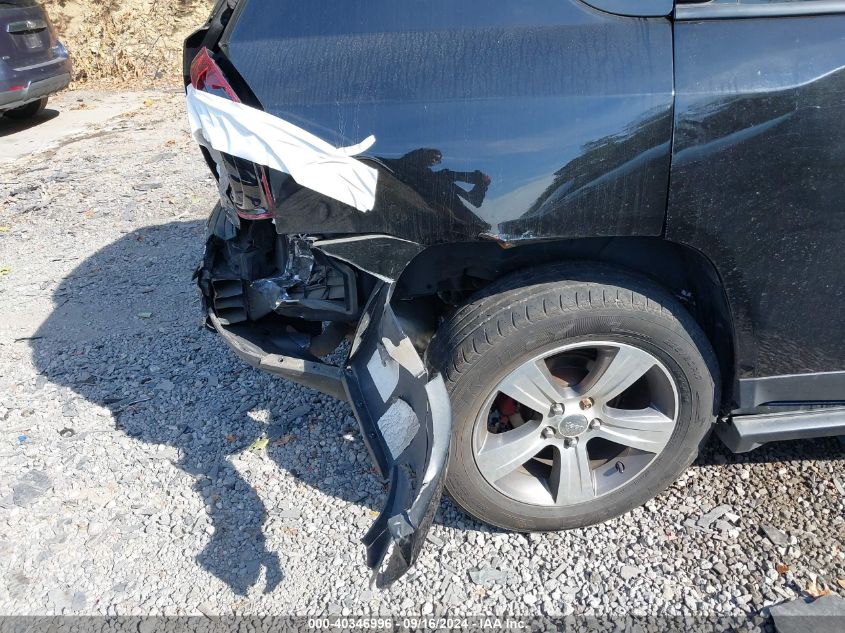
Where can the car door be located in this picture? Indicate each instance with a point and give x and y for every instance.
(758, 184)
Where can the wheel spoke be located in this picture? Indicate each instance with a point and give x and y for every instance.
(615, 372)
(532, 384)
(571, 480)
(644, 429)
(503, 453)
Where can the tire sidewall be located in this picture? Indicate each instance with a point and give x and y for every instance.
(664, 338)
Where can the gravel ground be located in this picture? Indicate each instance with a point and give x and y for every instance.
(127, 485)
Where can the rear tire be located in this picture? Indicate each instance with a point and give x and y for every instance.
(29, 110)
(570, 307)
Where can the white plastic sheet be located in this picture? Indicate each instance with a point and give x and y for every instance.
(259, 137)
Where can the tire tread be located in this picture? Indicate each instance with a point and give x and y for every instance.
(527, 298)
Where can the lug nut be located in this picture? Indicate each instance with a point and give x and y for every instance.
(595, 424)
(548, 433)
(571, 442)
(557, 409)
(586, 403)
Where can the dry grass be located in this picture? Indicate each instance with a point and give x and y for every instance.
(127, 41)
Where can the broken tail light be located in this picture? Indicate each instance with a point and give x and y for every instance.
(248, 187)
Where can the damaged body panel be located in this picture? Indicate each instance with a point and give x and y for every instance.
(255, 272)
(519, 120)
(380, 165)
(406, 422)
(402, 408)
(538, 139)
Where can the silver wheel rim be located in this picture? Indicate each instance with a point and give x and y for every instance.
(575, 423)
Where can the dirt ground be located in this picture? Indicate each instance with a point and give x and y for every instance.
(68, 114)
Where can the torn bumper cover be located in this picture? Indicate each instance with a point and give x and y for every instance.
(267, 289)
(406, 422)
(404, 415)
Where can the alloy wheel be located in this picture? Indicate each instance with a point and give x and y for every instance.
(575, 423)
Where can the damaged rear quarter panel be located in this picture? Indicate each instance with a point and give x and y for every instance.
(495, 118)
(520, 120)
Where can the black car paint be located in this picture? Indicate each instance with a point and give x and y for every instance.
(553, 129)
(758, 183)
(577, 140)
(565, 109)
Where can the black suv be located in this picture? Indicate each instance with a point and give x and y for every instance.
(565, 238)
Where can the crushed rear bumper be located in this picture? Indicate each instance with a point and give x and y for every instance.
(406, 420)
(403, 412)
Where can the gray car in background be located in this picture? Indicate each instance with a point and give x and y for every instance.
(33, 62)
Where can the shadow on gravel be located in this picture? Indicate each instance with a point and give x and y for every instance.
(126, 334)
(13, 126)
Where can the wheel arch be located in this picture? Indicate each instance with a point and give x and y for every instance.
(446, 275)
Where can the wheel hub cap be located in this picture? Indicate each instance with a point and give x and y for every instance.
(572, 425)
